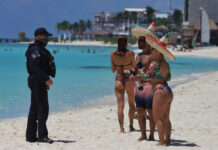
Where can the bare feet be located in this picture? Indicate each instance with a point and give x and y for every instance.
(151, 138)
(122, 130)
(160, 144)
(142, 138)
(168, 142)
(131, 129)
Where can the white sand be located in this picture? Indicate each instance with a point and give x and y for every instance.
(199, 52)
(211, 52)
(194, 118)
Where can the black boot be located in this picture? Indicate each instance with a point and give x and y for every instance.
(45, 140)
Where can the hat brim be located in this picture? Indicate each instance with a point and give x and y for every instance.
(163, 50)
(141, 31)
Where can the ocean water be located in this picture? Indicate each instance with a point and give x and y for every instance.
(81, 77)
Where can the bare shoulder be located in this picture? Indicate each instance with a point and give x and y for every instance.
(137, 56)
(130, 52)
(113, 52)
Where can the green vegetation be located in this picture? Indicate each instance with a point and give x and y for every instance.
(177, 17)
(114, 40)
(150, 14)
(65, 27)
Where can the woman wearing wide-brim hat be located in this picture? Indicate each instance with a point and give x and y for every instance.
(159, 73)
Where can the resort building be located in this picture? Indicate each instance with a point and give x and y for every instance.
(107, 22)
(192, 10)
(192, 19)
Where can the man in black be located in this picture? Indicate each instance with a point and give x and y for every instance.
(40, 65)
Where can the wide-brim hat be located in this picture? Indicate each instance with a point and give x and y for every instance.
(161, 45)
(142, 31)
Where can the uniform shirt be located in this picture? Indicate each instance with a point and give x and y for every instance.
(38, 62)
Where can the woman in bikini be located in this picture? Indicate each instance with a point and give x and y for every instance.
(121, 60)
(159, 73)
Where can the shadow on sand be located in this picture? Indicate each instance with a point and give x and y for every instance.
(64, 141)
(182, 143)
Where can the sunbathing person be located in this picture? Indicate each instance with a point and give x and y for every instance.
(121, 60)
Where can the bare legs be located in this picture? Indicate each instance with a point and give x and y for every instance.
(161, 111)
(142, 123)
(131, 101)
(152, 125)
(120, 91)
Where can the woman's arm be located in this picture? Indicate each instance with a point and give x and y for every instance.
(113, 68)
(165, 70)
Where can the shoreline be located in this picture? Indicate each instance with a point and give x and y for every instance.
(81, 43)
(208, 52)
(101, 101)
(193, 113)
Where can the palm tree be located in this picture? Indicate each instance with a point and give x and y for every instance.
(59, 28)
(126, 17)
(74, 28)
(89, 25)
(118, 19)
(133, 17)
(177, 17)
(82, 26)
(150, 12)
(65, 26)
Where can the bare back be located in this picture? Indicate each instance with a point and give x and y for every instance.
(121, 63)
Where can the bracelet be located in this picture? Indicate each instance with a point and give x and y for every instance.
(144, 76)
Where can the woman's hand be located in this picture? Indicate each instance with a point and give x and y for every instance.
(138, 77)
(141, 70)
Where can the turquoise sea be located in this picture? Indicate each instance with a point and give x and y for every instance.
(81, 77)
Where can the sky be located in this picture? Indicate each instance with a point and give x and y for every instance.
(27, 15)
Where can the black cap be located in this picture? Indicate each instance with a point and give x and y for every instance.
(42, 31)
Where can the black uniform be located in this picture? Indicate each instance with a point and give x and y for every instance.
(40, 65)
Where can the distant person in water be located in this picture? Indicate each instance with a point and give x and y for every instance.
(121, 60)
(88, 51)
(54, 51)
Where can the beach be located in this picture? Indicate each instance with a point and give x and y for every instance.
(193, 115)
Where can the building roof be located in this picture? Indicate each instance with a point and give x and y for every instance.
(105, 14)
(135, 9)
(213, 25)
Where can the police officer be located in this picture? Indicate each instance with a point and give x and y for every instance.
(40, 66)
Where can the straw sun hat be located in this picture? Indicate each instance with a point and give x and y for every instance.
(160, 45)
(141, 31)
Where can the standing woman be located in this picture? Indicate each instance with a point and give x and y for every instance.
(121, 60)
(159, 74)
